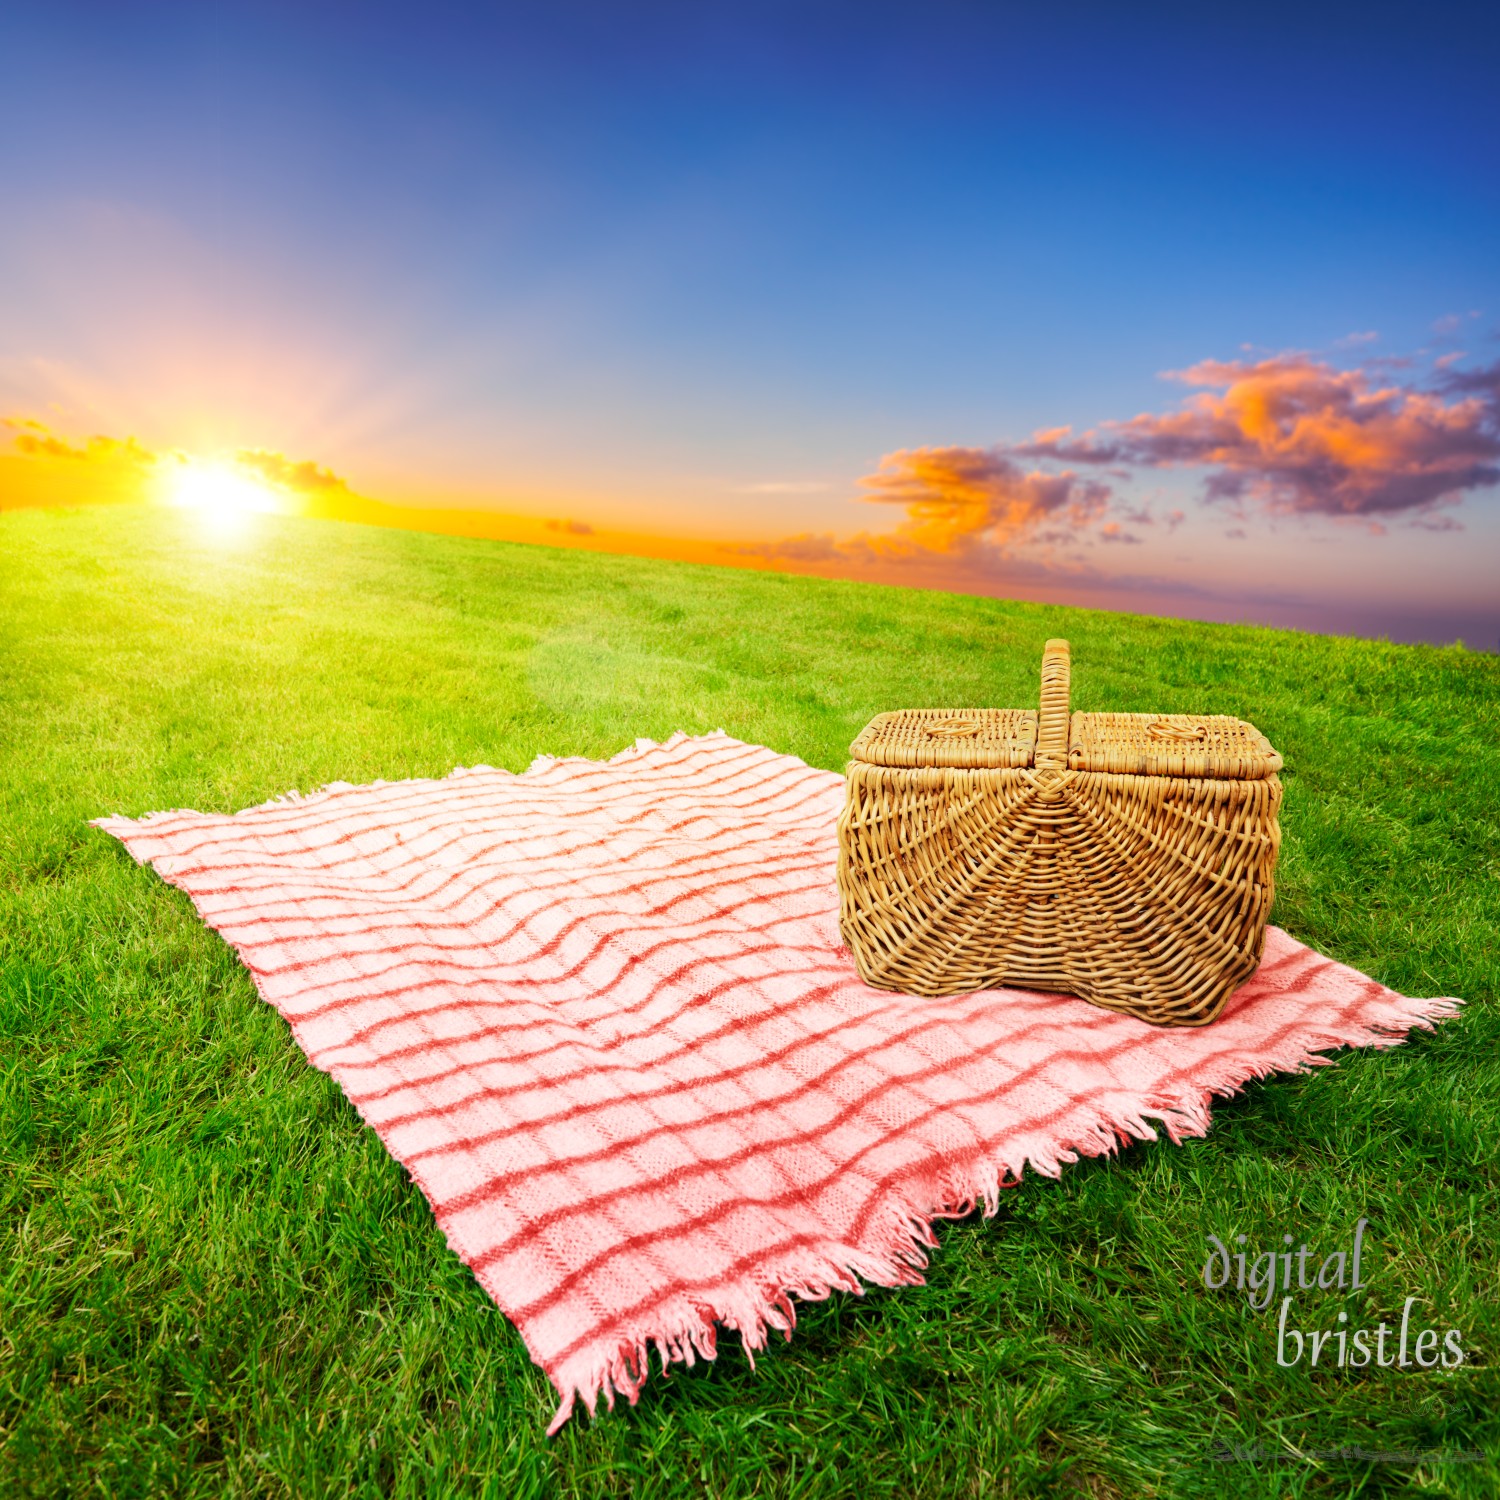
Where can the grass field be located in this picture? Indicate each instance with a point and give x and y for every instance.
(213, 1280)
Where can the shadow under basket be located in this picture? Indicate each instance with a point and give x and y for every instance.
(1127, 859)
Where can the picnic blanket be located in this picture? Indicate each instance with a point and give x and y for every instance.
(601, 1013)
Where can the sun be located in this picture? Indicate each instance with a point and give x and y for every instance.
(217, 488)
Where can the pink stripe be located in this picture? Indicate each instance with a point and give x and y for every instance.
(807, 1184)
(631, 961)
(796, 860)
(299, 822)
(872, 1202)
(769, 1101)
(868, 1206)
(499, 981)
(426, 854)
(334, 895)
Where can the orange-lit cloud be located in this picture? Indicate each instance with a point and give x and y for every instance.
(1064, 514)
(295, 477)
(39, 467)
(1289, 431)
(969, 505)
(35, 439)
(958, 497)
(968, 512)
(1300, 436)
(973, 516)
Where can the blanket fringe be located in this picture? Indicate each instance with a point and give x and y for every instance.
(684, 1331)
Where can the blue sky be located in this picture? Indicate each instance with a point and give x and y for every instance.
(697, 269)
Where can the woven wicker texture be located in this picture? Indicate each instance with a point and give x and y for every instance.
(968, 737)
(1170, 745)
(1131, 864)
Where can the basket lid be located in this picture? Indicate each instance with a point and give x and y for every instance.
(1170, 745)
(988, 737)
(1206, 745)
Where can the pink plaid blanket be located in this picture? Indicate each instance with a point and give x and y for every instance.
(601, 1013)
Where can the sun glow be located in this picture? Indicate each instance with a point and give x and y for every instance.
(219, 489)
(224, 497)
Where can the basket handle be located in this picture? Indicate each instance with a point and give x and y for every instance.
(1052, 725)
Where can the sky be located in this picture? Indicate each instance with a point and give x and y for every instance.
(1186, 310)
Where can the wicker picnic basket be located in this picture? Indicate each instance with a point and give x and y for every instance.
(1123, 858)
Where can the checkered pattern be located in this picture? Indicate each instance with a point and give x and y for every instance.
(601, 1013)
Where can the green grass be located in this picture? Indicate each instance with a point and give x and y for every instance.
(213, 1280)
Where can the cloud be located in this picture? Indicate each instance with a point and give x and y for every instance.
(1300, 436)
(1484, 383)
(47, 447)
(572, 528)
(1288, 434)
(959, 498)
(1059, 444)
(41, 467)
(1450, 323)
(298, 477)
(35, 439)
(1353, 340)
(970, 510)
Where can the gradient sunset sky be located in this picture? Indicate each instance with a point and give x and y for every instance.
(1189, 310)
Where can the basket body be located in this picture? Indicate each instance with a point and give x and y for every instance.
(1090, 860)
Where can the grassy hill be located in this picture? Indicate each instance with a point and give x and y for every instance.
(213, 1280)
